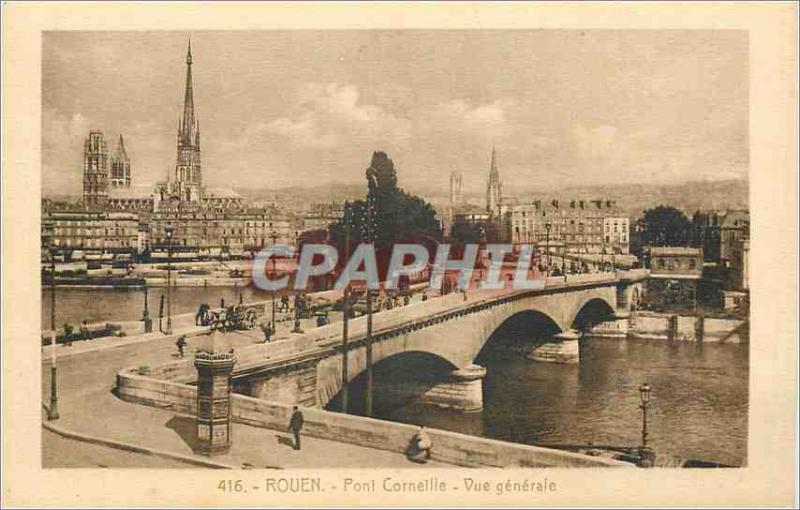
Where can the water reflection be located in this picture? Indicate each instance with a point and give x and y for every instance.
(698, 408)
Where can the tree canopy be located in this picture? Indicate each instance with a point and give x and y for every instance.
(663, 226)
(397, 216)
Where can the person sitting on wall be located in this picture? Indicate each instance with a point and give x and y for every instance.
(84, 330)
(419, 449)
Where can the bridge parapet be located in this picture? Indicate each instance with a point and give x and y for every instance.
(321, 341)
(449, 447)
(633, 275)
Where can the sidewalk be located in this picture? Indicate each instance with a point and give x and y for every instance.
(166, 431)
(88, 407)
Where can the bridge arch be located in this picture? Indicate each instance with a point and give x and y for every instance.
(520, 329)
(591, 312)
(398, 379)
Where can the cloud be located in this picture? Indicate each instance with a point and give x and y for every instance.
(62, 150)
(305, 131)
(597, 145)
(330, 115)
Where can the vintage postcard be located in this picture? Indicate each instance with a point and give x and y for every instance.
(399, 254)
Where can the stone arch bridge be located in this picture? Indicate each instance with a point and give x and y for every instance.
(307, 369)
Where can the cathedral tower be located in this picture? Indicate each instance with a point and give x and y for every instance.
(95, 171)
(494, 191)
(187, 167)
(455, 188)
(120, 167)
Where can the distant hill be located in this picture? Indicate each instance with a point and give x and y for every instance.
(635, 198)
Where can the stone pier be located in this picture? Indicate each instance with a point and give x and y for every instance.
(562, 348)
(462, 390)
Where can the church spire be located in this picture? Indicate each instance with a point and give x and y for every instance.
(494, 193)
(493, 172)
(187, 133)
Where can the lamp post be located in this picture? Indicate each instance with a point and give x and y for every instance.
(148, 322)
(52, 411)
(168, 229)
(274, 237)
(646, 454)
(346, 311)
(547, 245)
(368, 403)
(644, 395)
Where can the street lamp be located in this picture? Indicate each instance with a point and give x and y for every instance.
(345, 310)
(646, 455)
(274, 237)
(370, 235)
(547, 227)
(52, 411)
(644, 395)
(168, 229)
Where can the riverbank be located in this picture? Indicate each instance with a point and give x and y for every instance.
(674, 327)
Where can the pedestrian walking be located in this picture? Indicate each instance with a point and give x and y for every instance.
(424, 296)
(181, 343)
(295, 424)
(266, 328)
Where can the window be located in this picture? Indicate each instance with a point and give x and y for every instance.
(692, 264)
(660, 263)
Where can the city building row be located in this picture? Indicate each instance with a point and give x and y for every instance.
(117, 216)
(576, 226)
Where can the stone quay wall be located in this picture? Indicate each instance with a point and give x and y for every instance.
(682, 328)
(448, 447)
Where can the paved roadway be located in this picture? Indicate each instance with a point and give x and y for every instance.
(60, 452)
(86, 378)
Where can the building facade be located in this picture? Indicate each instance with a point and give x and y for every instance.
(82, 229)
(675, 275)
(717, 232)
(577, 226)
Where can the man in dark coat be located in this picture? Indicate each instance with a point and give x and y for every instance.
(295, 424)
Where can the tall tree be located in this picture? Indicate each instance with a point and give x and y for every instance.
(663, 226)
(397, 216)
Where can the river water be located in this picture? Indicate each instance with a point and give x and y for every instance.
(699, 391)
(98, 305)
(698, 408)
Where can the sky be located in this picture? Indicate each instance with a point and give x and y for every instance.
(302, 107)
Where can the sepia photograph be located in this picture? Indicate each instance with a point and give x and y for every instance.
(395, 251)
